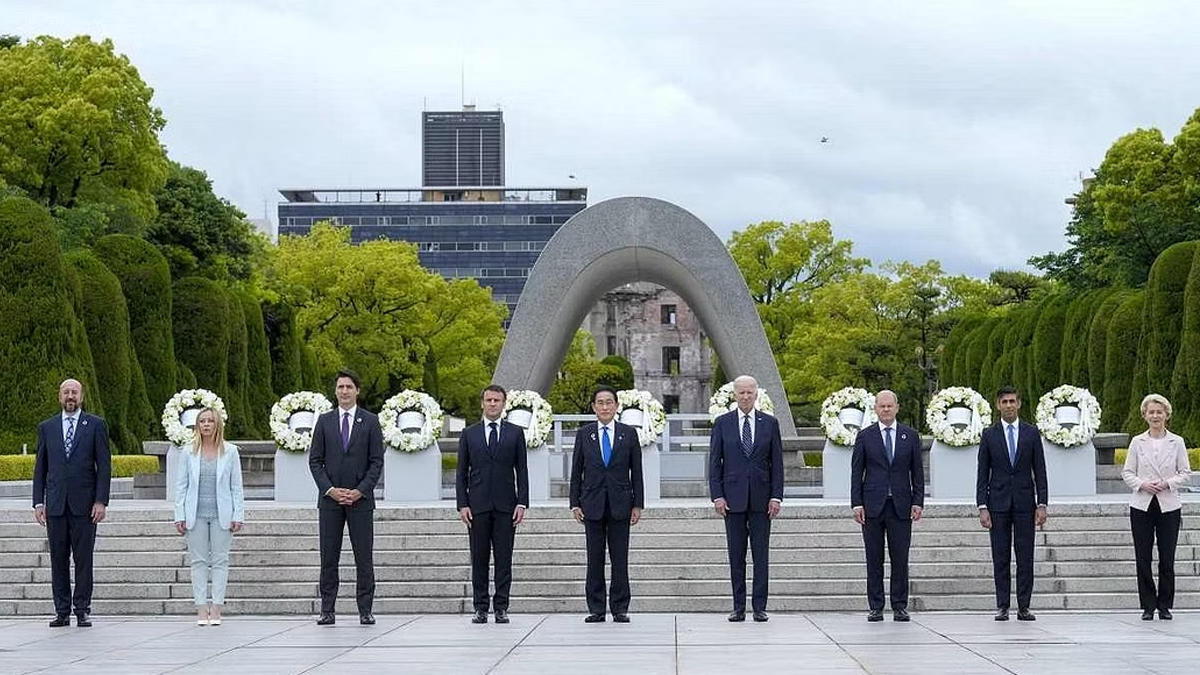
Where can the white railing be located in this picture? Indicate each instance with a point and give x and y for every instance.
(684, 444)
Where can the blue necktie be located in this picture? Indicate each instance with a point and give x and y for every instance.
(1012, 446)
(70, 437)
(605, 446)
(887, 444)
(747, 438)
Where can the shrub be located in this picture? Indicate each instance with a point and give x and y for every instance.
(1121, 348)
(200, 317)
(1098, 339)
(1185, 388)
(1120, 454)
(237, 403)
(259, 394)
(20, 467)
(1046, 363)
(284, 340)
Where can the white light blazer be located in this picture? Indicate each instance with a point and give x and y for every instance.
(1143, 464)
(230, 496)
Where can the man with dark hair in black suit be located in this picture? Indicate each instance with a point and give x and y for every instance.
(1010, 490)
(71, 478)
(745, 481)
(492, 489)
(607, 497)
(346, 458)
(887, 494)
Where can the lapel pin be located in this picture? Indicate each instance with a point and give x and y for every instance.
(903, 437)
(593, 436)
(84, 423)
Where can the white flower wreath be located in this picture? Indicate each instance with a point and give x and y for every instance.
(1068, 436)
(543, 415)
(723, 400)
(959, 436)
(287, 438)
(831, 410)
(654, 416)
(414, 401)
(182, 401)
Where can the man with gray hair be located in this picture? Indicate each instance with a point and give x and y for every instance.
(745, 480)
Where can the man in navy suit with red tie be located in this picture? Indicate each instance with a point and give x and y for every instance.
(607, 497)
(745, 481)
(887, 494)
(71, 477)
(346, 458)
(1010, 490)
(492, 489)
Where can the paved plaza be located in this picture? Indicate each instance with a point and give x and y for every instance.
(1058, 643)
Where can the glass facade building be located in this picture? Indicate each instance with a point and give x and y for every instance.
(462, 148)
(492, 234)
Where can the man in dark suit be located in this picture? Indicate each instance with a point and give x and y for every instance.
(71, 478)
(346, 458)
(492, 489)
(607, 497)
(887, 493)
(745, 481)
(1010, 490)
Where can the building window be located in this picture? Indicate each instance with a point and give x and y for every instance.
(670, 360)
(668, 315)
(610, 345)
(452, 196)
(671, 403)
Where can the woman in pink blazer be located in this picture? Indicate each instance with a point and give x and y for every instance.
(1157, 464)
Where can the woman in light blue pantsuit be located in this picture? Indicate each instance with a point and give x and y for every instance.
(209, 508)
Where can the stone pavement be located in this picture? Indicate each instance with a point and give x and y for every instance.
(1059, 643)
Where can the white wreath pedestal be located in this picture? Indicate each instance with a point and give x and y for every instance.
(652, 472)
(174, 455)
(952, 471)
(835, 470)
(537, 461)
(1070, 472)
(412, 477)
(293, 478)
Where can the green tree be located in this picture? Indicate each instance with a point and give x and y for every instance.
(1016, 287)
(1185, 379)
(279, 320)
(463, 335)
(77, 128)
(146, 284)
(1121, 349)
(1046, 364)
(237, 403)
(1098, 342)
(784, 264)
(42, 340)
(200, 233)
(579, 376)
(626, 380)
(259, 394)
(200, 316)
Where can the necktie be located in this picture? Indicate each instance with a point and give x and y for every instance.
(1012, 445)
(605, 446)
(887, 444)
(747, 439)
(493, 437)
(70, 437)
(345, 431)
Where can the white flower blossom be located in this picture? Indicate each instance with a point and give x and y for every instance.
(292, 440)
(655, 416)
(415, 401)
(849, 397)
(958, 397)
(723, 400)
(187, 399)
(1089, 417)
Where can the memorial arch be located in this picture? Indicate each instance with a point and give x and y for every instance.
(621, 241)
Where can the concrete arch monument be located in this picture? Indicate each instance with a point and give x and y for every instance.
(621, 241)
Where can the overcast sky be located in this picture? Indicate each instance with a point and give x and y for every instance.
(955, 128)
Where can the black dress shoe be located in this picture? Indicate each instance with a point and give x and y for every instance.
(480, 616)
(501, 616)
(900, 615)
(760, 615)
(1002, 614)
(1148, 615)
(737, 615)
(1164, 614)
(594, 618)
(1024, 614)
(60, 620)
(621, 618)
(875, 615)
(366, 619)
(83, 620)
(327, 619)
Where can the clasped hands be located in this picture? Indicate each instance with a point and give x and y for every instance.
(344, 496)
(1155, 486)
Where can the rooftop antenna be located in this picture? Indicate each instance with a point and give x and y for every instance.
(462, 84)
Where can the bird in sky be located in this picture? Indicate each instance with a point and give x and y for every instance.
(824, 139)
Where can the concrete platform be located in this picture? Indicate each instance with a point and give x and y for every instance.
(1059, 643)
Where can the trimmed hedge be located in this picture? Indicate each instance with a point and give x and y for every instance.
(259, 394)
(279, 320)
(20, 467)
(1185, 387)
(974, 348)
(1098, 340)
(1124, 332)
(146, 283)
(952, 363)
(42, 341)
(200, 321)
(1073, 361)
(1045, 364)
(237, 403)
(1193, 453)
(991, 372)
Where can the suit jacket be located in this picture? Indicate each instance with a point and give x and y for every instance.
(618, 485)
(495, 479)
(1142, 463)
(72, 486)
(356, 468)
(745, 483)
(231, 503)
(1000, 485)
(872, 477)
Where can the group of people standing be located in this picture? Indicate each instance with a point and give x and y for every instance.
(745, 470)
